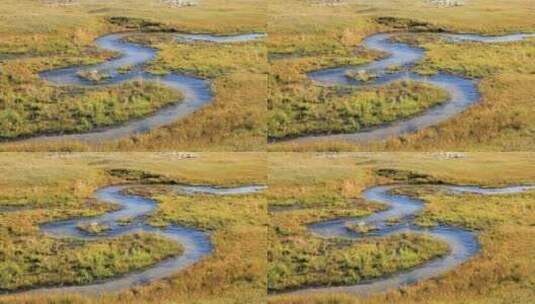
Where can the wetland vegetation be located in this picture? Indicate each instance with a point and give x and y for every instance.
(30, 262)
(233, 221)
(28, 110)
(303, 38)
(307, 182)
(310, 236)
(325, 111)
(63, 36)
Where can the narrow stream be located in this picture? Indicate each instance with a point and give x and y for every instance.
(196, 91)
(196, 243)
(463, 92)
(463, 244)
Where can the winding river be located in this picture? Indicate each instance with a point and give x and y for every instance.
(196, 91)
(463, 244)
(463, 92)
(196, 243)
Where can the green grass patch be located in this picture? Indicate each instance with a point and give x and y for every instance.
(309, 38)
(315, 262)
(205, 59)
(32, 262)
(501, 271)
(32, 110)
(59, 186)
(325, 111)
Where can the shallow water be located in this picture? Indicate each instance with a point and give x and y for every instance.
(196, 91)
(463, 92)
(196, 243)
(463, 244)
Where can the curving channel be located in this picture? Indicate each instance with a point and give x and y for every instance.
(463, 244)
(196, 243)
(196, 91)
(463, 92)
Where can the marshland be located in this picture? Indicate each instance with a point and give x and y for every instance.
(41, 36)
(323, 67)
(400, 228)
(315, 170)
(132, 228)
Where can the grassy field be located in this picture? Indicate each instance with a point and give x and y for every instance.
(261, 244)
(303, 188)
(296, 261)
(54, 111)
(53, 36)
(304, 37)
(43, 187)
(319, 110)
(304, 185)
(31, 262)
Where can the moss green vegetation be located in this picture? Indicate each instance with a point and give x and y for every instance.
(485, 212)
(326, 263)
(501, 273)
(303, 36)
(31, 110)
(299, 195)
(30, 262)
(234, 121)
(59, 36)
(205, 59)
(320, 110)
(43, 187)
(297, 259)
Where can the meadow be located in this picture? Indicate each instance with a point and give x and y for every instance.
(303, 37)
(55, 36)
(43, 187)
(303, 186)
(298, 262)
(76, 110)
(260, 241)
(263, 249)
(330, 111)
